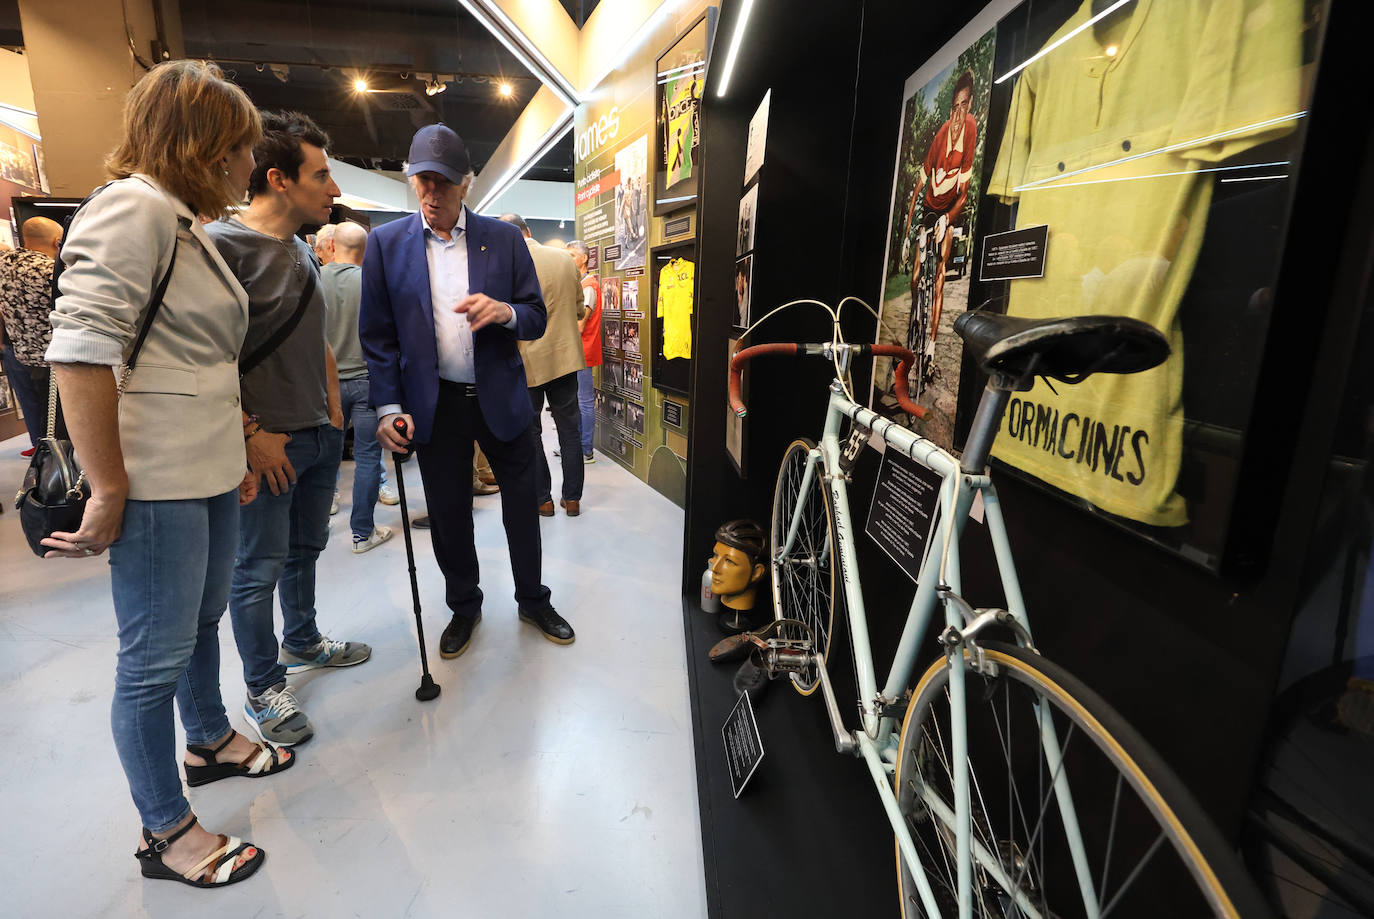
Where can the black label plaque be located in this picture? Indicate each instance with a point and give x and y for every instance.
(672, 413)
(743, 744)
(905, 502)
(1015, 254)
(633, 272)
(679, 227)
(611, 253)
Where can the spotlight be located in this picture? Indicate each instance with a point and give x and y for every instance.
(360, 86)
(434, 87)
(505, 90)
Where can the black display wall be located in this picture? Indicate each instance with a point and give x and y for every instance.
(1189, 657)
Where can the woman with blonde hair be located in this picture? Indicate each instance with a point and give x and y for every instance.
(162, 445)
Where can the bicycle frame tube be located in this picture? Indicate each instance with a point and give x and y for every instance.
(956, 497)
(844, 547)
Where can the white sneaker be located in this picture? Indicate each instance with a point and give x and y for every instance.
(334, 505)
(379, 536)
(387, 494)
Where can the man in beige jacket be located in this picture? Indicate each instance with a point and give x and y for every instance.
(551, 365)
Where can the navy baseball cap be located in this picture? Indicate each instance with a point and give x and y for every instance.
(436, 148)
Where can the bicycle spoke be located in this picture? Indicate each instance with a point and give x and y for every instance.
(1154, 847)
(1045, 803)
(1111, 839)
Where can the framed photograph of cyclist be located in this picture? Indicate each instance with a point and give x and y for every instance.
(756, 144)
(633, 377)
(735, 431)
(610, 296)
(680, 86)
(634, 417)
(610, 334)
(744, 286)
(748, 218)
(934, 209)
(629, 337)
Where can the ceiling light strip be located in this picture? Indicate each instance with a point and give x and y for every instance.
(1048, 48)
(736, 40)
(546, 143)
(520, 44)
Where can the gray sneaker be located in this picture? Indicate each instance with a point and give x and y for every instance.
(277, 718)
(328, 653)
(387, 494)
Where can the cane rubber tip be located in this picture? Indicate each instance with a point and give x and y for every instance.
(429, 690)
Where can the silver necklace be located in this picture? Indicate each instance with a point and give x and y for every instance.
(291, 250)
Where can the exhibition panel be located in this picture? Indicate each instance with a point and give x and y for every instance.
(638, 159)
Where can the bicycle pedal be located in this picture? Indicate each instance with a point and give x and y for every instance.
(731, 648)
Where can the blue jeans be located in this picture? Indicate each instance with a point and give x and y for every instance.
(367, 454)
(280, 538)
(586, 401)
(18, 375)
(169, 573)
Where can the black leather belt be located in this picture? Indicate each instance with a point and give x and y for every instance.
(459, 389)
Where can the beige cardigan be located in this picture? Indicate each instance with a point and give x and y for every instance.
(180, 426)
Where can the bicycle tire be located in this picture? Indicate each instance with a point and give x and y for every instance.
(804, 581)
(1197, 867)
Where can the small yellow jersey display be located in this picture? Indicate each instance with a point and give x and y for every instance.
(1113, 140)
(675, 307)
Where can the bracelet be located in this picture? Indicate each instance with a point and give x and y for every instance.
(257, 429)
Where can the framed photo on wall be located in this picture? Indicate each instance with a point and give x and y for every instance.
(680, 86)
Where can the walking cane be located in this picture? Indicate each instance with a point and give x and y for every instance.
(428, 688)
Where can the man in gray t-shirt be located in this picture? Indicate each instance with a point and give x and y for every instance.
(293, 428)
(342, 281)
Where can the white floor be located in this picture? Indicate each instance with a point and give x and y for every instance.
(545, 780)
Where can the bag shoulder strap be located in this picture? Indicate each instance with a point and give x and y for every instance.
(284, 332)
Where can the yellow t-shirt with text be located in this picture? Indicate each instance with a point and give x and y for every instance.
(675, 307)
(1110, 151)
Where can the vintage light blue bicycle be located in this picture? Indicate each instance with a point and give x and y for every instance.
(1012, 789)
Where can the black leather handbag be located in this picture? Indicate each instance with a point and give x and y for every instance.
(55, 491)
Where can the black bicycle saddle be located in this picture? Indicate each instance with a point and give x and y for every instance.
(1070, 348)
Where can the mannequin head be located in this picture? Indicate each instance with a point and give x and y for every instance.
(737, 563)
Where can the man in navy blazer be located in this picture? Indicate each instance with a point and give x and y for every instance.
(445, 296)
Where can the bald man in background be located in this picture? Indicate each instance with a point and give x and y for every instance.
(341, 280)
(25, 304)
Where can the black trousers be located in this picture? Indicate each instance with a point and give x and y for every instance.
(567, 419)
(446, 469)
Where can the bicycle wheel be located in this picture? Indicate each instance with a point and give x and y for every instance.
(804, 575)
(1147, 847)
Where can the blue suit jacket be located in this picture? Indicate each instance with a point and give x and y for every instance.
(396, 322)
